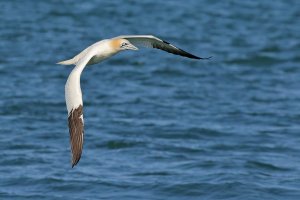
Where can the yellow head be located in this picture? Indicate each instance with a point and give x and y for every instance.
(122, 44)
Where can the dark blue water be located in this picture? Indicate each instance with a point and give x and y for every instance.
(158, 126)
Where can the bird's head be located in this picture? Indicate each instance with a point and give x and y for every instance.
(122, 44)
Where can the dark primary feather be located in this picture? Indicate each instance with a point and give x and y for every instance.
(154, 42)
(76, 134)
(165, 46)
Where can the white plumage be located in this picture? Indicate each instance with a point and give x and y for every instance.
(95, 54)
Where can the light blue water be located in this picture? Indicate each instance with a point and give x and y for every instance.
(158, 126)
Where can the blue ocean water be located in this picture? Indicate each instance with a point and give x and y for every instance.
(157, 126)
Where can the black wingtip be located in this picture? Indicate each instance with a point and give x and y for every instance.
(198, 58)
(189, 55)
(73, 165)
(165, 42)
(75, 162)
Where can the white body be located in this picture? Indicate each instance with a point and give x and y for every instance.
(91, 55)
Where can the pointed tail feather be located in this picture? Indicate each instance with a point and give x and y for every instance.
(67, 62)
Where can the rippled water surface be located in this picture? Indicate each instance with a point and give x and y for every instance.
(157, 126)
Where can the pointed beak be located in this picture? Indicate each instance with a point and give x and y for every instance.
(131, 47)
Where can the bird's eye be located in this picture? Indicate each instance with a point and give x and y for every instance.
(123, 44)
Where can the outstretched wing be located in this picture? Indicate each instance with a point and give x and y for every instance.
(153, 42)
(74, 103)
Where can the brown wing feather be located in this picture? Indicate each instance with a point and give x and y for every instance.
(76, 133)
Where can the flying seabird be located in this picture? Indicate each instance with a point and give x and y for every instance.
(94, 54)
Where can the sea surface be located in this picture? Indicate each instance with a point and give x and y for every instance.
(157, 126)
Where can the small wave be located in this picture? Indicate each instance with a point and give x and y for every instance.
(168, 72)
(119, 144)
(158, 173)
(266, 166)
(256, 60)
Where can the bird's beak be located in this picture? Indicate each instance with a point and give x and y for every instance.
(131, 47)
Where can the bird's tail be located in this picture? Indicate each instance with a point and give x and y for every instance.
(67, 62)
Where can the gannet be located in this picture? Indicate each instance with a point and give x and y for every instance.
(93, 54)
